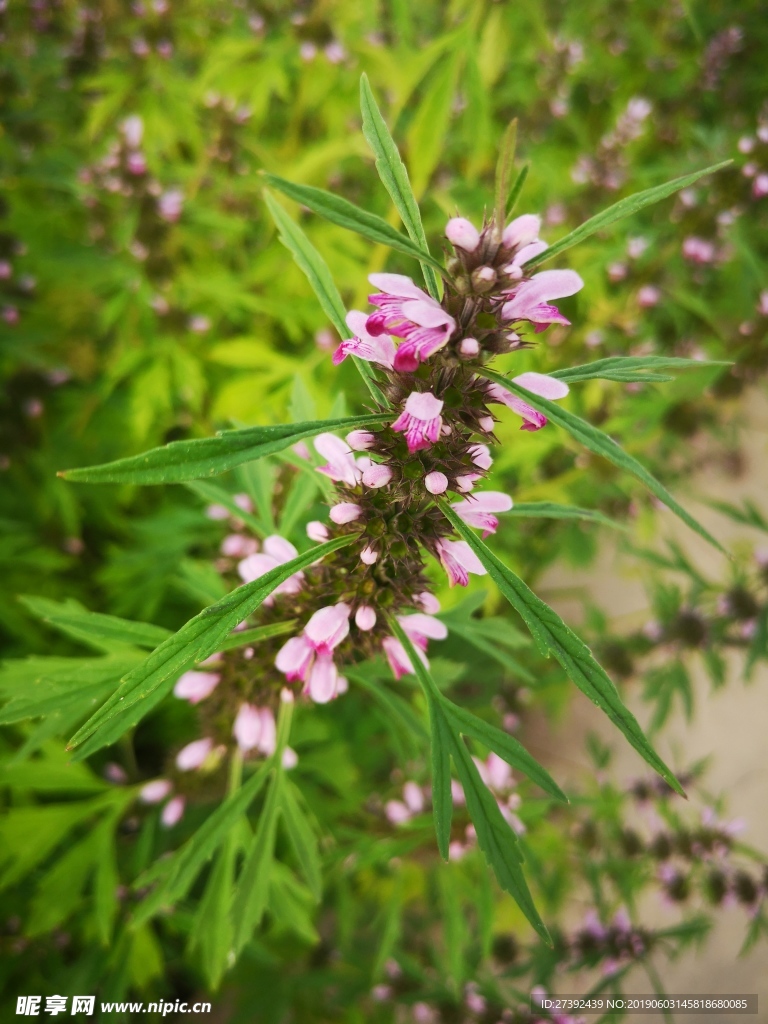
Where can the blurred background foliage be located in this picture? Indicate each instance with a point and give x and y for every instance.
(145, 299)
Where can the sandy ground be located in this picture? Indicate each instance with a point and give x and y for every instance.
(730, 726)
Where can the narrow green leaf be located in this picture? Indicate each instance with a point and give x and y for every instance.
(190, 859)
(442, 797)
(394, 176)
(303, 839)
(248, 637)
(503, 174)
(312, 264)
(188, 460)
(70, 617)
(396, 708)
(601, 444)
(212, 929)
(252, 890)
(199, 638)
(551, 510)
(624, 208)
(631, 368)
(347, 215)
(506, 746)
(554, 637)
(476, 637)
(517, 188)
(495, 838)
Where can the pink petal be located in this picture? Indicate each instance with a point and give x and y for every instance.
(328, 626)
(377, 475)
(196, 686)
(173, 812)
(429, 602)
(427, 313)
(194, 754)
(423, 405)
(365, 617)
(295, 657)
(321, 684)
(528, 252)
(419, 624)
(317, 531)
(396, 284)
(485, 501)
(155, 791)
(254, 566)
(436, 483)
(247, 727)
(345, 512)
(521, 231)
(280, 549)
(543, 385)
(268, 737)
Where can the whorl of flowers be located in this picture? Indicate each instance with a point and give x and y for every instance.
(427, 354)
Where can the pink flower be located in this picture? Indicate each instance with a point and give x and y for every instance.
(365, 617)
(420, 629)
(170, 204)
(459, 560)
(254, 728)
(194, 754)
(760, 186)
(196, 686)
(345, 512)
(762, 305)
(276, 551)
(648, 296)
(396, 811)
(481, 456)
(413, 797)
(155, 791)
(133, 130)
(521, 231)
(173, 812)
(462, 234)
(469, 347)
(341, 465)
(436, 483)
(377, 475)
(237, 546)
(429, 602)
(420, 420)
(309, 657)
(369, 555)
(409, 313)
(478, 510)
(530, 300)
(698, 250)
(375, 347)
(538, 384)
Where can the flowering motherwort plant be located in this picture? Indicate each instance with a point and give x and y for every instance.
(407, 490)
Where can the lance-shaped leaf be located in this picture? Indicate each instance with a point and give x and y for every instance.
(319, 276)
(551, 510)
(631, 368)
(94, 627)
(302, 838)
(554, 637)
(624, 208)
(199, 638)
(340, 211)
(208, 456)
(394, 176)
(495, 838)
(189, 860)
(601, 444)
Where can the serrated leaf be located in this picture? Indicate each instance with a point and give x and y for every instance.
(624, 208)
(340, 211)
(209, 456)
(495, 838)
(303, 839)
(551, 510)
(506, 746)
(72, 618)
(631, 368)
(554, 637)
(188, 861)
(601, 444)
(252, 890)
(199, 638)
(394, 176)
(312, 264)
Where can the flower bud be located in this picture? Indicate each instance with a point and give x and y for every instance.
(377, 475)
(469, 347)
(173, 812)
(345, 512)
(360, 440)
(155, 791)
(317, 531)
(365, 617)
(368, 555)
(436, 483)
(486, 423)
(194, 754)
(462, 234)
(483, 279)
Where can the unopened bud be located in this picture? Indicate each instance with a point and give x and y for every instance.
(483, 279)
(365, 617)
(360, 440)
(436, 483)
(317, 531)
(469, 347)
(345, 512)
(462, 234)
(486, 423)
(368, 555)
